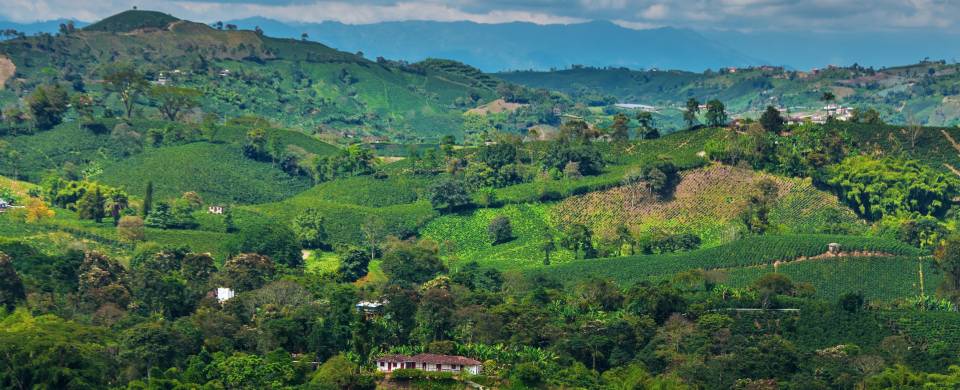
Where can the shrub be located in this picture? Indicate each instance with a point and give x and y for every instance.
(354, 264)
(309, 228)
(270, 239)
(414, 374)
(248, 271)
(449, 195)
(878, 187)
(499, 230)
(130, 228)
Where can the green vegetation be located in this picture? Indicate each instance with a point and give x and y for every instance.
(760, 250)
(557, 240)
(921, 92)
(878, 278)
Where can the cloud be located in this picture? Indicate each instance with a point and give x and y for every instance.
(655, 11)
(762, 15)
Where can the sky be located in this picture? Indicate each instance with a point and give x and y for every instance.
(740, 15)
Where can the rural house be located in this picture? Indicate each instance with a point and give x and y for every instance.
(225, 294)
(429, 362)
(370, 309)
(215, 209)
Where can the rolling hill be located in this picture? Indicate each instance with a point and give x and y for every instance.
(926, 92)
(296, 83)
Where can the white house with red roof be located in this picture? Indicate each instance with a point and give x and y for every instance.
(429, 362)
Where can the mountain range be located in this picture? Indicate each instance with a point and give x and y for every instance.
(494, 47)
(523, 46)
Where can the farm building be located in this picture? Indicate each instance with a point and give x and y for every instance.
(429, 362)
(225, 294)
(215, 209)
(370, 309)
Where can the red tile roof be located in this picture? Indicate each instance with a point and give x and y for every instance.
(430, 358)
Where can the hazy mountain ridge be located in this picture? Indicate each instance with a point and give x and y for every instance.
(494, 47)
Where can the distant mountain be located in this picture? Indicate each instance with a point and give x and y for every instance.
(806, 49)
(49, 26)
(518, 46)
(495, 47)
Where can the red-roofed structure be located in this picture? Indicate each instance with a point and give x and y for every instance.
(429, 362)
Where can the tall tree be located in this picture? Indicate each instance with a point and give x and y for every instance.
(828, 97)
(11, 287)
(647, 125)
(92, 205)
(716, 113)
(690, 115)
(449, 195)
(620, 130)
(409, 262)
(947, 256)
(171, 101)
(47, 104)
(83, 104)
(147, 200)
(353, 264)
(246, 272)
(127, 82)
(103, 280)
(771, 120)
(309, 228)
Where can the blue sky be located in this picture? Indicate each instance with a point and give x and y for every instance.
(744, 15)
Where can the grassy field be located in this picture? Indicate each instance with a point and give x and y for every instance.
(321, 262)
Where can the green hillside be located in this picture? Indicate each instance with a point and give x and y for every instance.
(748, 252)
(300, 84)
(188, 161)
(925, 92)
(189, 206)
(219, 173)
(132, 20)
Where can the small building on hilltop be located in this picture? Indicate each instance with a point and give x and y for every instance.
(429, 362)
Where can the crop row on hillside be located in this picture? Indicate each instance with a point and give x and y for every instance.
(219, 173)
(882, 278)
(750, 251)
(463, 237)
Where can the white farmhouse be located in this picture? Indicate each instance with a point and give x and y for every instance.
(429, 362)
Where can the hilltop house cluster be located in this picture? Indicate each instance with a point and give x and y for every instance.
(831, 110)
